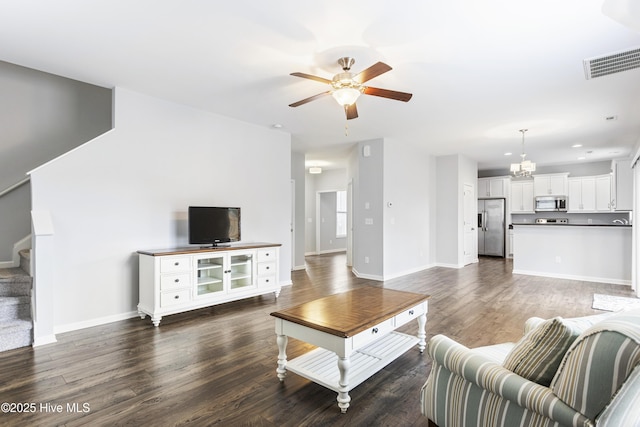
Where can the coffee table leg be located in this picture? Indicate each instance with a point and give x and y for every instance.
(282, 356)
(422, 332)
(344, 363)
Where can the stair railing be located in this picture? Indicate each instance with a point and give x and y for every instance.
(14, 186)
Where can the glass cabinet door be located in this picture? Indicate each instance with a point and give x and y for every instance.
(210, 275)
(241, 270)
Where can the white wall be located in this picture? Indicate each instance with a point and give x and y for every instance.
(129, 189)
(368, 200)
(452, 172)
(409, 209)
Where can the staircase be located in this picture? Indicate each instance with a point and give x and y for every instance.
(16, 325)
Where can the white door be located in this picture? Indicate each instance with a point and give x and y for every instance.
(469, 225)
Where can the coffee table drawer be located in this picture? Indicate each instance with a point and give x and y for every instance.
(410, 314)
(373, 333)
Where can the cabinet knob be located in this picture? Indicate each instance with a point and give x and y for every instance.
(374, 331)
(177, 280)
(268, 267)
(267, 281)
(411, 312)
(176, 263)
(177, 297)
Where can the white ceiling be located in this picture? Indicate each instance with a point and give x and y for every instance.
(479, 70)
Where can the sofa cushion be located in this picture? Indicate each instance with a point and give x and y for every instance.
(538, 354)
(598, 363)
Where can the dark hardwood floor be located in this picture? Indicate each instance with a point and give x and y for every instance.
(216, 366)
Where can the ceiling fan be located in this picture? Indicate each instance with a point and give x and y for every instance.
(346, 87)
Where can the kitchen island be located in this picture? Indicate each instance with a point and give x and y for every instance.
(593, 253)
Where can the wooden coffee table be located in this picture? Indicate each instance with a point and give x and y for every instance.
(355, 335)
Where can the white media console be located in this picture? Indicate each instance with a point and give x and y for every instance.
(181, 279)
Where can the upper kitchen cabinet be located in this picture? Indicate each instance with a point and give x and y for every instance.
(522, 196)
(622, 185)
(554, 184)
(492, 187)
(590, 194)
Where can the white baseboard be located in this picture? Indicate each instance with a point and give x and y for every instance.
(442, 264)
(411, 271)
(574, 277)
(94, 322)
(367, 276)
(48, 339)
(299, 267)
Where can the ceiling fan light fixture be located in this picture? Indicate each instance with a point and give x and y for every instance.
(346, 95)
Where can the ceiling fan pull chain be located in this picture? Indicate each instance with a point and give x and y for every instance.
(346, 128)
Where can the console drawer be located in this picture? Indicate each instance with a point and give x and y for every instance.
(171, 265)
(266, 268)
(409, 314)
(174, 281)
(373, 333)
(266, 254)
(266, 281)
(174, 298)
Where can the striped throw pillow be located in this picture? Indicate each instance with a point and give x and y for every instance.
(538, 354)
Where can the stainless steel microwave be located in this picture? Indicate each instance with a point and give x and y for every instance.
(551, 204)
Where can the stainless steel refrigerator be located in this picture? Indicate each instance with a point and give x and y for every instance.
(491, 227)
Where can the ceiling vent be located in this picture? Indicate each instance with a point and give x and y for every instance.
(614, 63)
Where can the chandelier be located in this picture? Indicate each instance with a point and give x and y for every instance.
(525, 167)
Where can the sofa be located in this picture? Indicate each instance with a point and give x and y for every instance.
(562, 372)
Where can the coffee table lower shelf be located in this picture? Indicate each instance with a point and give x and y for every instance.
(321, 365)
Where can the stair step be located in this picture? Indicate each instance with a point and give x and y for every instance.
(12, 308)
(15, 334)
(25, 260)
(15, 281)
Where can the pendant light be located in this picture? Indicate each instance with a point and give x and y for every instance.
(525, 167)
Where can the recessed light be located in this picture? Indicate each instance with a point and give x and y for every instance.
(581, 158)
(508, 154)
(276, 126)
(576, 146)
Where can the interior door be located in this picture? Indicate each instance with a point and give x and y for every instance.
(470, 238)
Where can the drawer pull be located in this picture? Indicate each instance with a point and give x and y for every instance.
(176, 263)
(410, 312)
(177, 280)
(374, 331)
(177, 297)
(267, 281)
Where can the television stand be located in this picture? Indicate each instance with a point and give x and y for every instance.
(182, 279)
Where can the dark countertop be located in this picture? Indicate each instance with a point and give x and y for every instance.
(571, 224)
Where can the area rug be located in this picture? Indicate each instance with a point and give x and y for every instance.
(614, 303)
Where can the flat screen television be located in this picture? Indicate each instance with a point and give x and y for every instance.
(210, 225)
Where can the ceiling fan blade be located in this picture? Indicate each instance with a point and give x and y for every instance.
(311, 77)
(351, 111)
(386, 93)
(374, 71)
(309, 99)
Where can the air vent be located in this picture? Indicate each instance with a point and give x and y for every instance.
(614, 63)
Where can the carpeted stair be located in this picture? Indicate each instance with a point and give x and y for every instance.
(16, 325)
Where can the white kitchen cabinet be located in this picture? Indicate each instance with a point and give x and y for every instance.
(177, 280)
(492, 187)
(522, 196)
(622, 185)
(582, 194)
(603, 193)
(550, 184)
(590, 194)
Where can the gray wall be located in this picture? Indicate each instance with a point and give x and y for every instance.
(298, 177)
(41, 116)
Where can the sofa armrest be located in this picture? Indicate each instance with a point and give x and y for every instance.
(484, 373)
